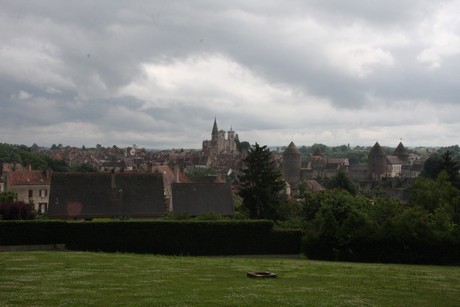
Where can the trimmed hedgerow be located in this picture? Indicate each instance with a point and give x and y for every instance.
(32, 232)
(160, 237)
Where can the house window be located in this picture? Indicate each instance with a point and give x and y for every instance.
(31, 193)
(42, 208)
(43, 193)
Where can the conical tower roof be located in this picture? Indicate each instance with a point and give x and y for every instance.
(376, 150)
(292, 150)
(401, 151)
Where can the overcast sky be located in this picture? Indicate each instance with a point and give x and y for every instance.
(157, 73)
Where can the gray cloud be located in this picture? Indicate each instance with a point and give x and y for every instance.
(157, 73)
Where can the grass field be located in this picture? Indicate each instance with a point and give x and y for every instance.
(79, 278)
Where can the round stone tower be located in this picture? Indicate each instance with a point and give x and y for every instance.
(291, 165)
(376, 163)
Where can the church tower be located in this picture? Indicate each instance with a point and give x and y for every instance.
(219, 144)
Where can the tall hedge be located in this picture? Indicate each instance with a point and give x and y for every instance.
(159, 237)
(23, 232)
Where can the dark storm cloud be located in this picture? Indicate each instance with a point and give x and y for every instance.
(115, 72)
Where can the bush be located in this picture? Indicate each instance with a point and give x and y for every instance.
(343, 227)
(16, 210)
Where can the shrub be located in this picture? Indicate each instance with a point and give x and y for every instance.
(343, 227)
(16, 210)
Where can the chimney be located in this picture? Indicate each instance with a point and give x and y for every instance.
(176, 173)
(150, 168)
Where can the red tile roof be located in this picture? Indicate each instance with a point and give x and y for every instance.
(28, 178)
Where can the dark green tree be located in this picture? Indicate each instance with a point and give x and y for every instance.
(437, 194)
(432, 166)
(261, 184)
(195, 174)
(451, 167)
(343, 182)
(8, 196)
(84, 168)
(241, 145)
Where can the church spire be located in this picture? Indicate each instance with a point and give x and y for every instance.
(215, 131)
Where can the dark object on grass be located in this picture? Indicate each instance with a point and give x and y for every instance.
(261, 275)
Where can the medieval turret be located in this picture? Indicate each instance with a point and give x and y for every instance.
(401, 152)
(376, 162)
(291, 165)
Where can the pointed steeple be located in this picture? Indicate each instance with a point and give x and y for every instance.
(215, 131)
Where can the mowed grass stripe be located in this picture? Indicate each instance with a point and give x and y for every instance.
(80, 278)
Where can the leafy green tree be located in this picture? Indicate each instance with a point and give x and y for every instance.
(57, 165)
(8, 154)
(335, 222)
(8, 196)
(432, 166)
(84, 168)
(343, 182)
(261, 184)
(196, 173)
(241, 145)
(435, 194)
(451, 167)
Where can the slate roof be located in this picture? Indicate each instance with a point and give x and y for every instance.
(394, 160)
(202, 198)
(358, 167)
(88, 195)
(338, 161)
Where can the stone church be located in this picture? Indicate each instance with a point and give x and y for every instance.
(219, 143)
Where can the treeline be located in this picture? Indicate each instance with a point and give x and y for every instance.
(341, 226)
(24, 155)
(358, 154)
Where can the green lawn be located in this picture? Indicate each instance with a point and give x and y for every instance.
(79, 278)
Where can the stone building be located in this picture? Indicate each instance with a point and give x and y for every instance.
(381, 165)
(376, 163)
(31, 186)
(318, 166)
(291, 165)
(219, 143)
